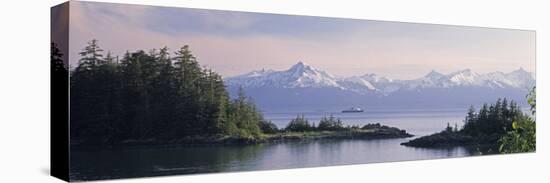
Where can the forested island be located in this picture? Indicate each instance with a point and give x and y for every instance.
(329, 128)
(158, 98)
(502, 126)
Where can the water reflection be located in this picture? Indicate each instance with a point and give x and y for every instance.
(137, 162)
(153, 161)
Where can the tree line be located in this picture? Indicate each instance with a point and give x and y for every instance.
(327, 123)
(495, 118)
(153, 96)
(499, 123)
(502, 124)
(301, 124)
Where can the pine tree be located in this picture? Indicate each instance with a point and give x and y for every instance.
(330, 123)
(186, 75)
(91, 56)
(153, 96)
(56, 59)
(470, 121)
(299, 124)
(134, 98)
(163, 95)
(88, 109)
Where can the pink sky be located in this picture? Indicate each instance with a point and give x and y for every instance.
(233, 43)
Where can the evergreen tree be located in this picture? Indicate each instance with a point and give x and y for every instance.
(268, 127)
(56, 59)
(522, 137)
(299, 124)
(470, 121)
(330, 123)
(135, 96)
(153, 97)
(187, 101)
(162, 95)
(87, 108)
(91, 56)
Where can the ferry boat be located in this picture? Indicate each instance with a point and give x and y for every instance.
(353, 109)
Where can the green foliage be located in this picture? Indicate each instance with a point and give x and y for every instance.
(243, 113)
(152, 96)
(91, 56)
(502, 123)
(330, 124)
(532, 100)
(523, 136)
(268, 127)
(299, 124)
(494, 119)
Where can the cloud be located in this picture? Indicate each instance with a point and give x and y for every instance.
(233, 43)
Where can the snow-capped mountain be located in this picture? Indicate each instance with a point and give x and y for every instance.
(298, 76)
(301, 75)
(434, 79)
(520, 79)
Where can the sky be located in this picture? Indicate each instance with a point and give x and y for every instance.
(233, 43)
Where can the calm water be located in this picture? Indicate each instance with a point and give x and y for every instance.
(416, 122)
(138, 162)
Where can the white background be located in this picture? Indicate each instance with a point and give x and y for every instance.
(24, 90)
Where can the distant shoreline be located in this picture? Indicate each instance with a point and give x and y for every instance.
(382, 132)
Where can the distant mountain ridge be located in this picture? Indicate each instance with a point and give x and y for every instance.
(303, 87)
(301, 75)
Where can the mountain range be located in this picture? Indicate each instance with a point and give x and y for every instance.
(302, 79)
